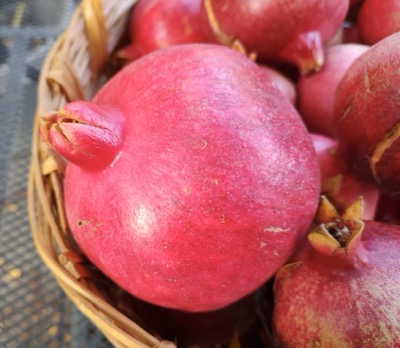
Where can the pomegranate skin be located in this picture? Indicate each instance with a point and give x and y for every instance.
(282, 82)
(157, 24)
(316, 91)
(366, 114)
(339, 182)
(214, 184)
(326, 302)
(378, 19)
(294, 32)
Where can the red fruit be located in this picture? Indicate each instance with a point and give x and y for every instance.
(316, 91)
(378, 19)
(288, 31)
(214, 183)
(156, 24)
(339, 182)
(344, 292)
(88, 135)
(366, 111)
(282, 82)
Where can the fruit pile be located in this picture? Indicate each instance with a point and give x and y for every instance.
(239, 176)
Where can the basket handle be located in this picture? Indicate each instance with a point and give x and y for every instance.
(96, 32)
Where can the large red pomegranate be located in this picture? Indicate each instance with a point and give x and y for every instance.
(366, 113)
(289, 31)
(343, 290)
(191, 177)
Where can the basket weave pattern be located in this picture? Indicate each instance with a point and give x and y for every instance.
(74, 69)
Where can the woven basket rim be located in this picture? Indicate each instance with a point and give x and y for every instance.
(68, 73)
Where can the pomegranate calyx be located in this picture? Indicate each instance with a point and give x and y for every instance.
(338, 234)
(354, 211)
(305, 51)
(337, 237)
(86, 134)
(332, 185)
(326, 211)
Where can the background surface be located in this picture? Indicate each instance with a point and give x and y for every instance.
(34, 312)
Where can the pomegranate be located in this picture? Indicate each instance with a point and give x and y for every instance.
(156, 24)
(213, 181)
(378, 19)
(294, 31)
(366, 114)
(344, 292)
(339, 182)
(316, 91)
(282, 82)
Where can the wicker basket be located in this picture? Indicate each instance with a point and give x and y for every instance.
(74, 69)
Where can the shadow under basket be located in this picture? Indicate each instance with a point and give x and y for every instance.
(79, 62)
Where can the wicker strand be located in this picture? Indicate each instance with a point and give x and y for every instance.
(63, 76)
(96, 33)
